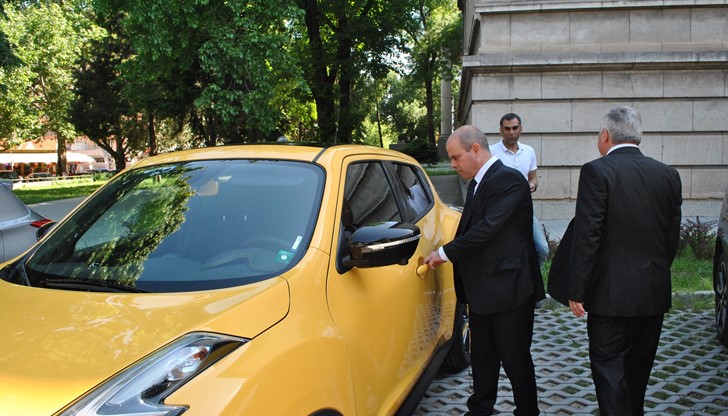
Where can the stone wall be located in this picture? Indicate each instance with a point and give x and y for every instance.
(561, 65)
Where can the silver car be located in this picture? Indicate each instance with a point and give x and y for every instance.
(18, 225)
(8, 178)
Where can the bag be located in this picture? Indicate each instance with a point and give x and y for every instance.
(557, 283)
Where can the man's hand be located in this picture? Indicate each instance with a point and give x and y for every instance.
(433, 260)
(577, 308)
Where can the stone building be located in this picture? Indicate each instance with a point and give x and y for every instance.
(562, 64)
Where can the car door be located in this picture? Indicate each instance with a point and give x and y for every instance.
(389, 316)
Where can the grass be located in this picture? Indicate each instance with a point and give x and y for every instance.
(690, 274)
(439, 169)
(58, 190)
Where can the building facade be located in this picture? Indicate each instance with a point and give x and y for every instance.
(561, 65)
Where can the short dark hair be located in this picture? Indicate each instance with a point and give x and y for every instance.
(511, 116)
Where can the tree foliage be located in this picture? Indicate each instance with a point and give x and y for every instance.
(403, 109)
(207, 72)
(345, 41)
(434, 36)
(47, 39)
(100, 111)
(215, 65)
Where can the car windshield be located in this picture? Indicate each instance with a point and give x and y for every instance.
(184, 227)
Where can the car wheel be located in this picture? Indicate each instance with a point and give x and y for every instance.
(458, 357)
(720, 285)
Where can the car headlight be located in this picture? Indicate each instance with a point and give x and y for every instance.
(141, 388)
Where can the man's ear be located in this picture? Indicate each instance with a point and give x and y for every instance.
(604, 142)
(604, 137)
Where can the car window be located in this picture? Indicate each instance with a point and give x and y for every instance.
(368, 199)
(415, 190)
(368, 195)
(187, 226)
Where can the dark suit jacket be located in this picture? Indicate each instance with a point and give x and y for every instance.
(626, 231)
(493, 254)
(557, 283)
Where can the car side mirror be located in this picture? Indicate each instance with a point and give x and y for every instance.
(382, 244)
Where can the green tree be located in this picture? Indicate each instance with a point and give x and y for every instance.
(217, 66)
(99, 110)
(14, 110)
(17, 112)
(344, 41)
(47, 40)
(402, 108)
(434, 36)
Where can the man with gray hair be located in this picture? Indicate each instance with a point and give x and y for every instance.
(625, 237)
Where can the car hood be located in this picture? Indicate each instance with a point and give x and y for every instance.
(56, 345)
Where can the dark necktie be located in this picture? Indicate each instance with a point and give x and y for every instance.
(471, 194)
(469, 201)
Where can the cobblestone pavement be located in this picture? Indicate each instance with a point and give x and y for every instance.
(690, 375)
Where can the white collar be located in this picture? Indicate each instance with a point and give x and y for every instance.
(506, 149)
(619, 146)
(483, 169)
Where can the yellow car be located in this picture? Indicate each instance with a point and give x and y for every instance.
(244, 280)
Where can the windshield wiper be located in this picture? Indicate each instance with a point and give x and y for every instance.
(91, 285)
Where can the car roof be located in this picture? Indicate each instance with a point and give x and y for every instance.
(308, 152)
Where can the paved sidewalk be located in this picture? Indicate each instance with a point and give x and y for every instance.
(690, 375)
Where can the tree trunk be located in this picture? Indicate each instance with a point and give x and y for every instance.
(379, 124)
(344, 127)
(429, 99)
(119, 154)
(210, 129)
(61, 153)
(153, 146)
(321, 80)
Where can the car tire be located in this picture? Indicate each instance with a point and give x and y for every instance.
(458, 357)
(720, 286)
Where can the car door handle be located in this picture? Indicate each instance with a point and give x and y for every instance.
(422, 270)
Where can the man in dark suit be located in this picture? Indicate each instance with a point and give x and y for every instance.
(625, 237)
(496, 272)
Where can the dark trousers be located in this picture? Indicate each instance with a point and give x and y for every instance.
(502, 338)
(622, 351)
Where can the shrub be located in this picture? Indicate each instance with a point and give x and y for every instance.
(553, 244)
(422, 150)
(699, 236)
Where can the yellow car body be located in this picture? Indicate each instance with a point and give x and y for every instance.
(318, 338)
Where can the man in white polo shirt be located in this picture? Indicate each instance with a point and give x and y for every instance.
(521, 157)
